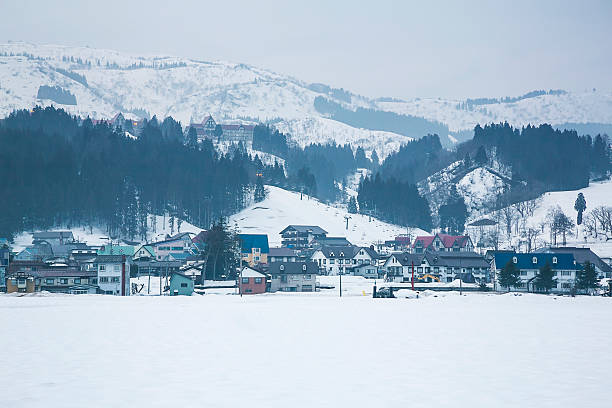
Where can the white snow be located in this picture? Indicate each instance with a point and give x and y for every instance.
(97, 236)
(305, 350)
(282, 208)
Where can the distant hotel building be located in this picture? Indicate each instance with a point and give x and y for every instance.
(231, 133)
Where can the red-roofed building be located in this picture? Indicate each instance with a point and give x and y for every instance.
(442, 242)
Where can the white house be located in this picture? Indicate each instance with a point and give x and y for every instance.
(179, 243)
(114, 274)
(333, 260)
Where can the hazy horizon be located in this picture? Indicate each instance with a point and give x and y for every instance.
(380, 49)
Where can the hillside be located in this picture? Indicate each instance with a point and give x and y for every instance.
(282, 208)
(104, 82)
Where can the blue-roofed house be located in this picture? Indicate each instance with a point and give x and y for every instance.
(563, 264)
(254, 248)
(126, 250)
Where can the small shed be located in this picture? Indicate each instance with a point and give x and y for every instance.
(180, 285)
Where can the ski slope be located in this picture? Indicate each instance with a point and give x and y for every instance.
(282, 208)
(479, 350)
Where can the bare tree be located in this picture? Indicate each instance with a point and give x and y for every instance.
(531, 235)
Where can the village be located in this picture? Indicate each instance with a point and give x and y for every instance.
(308, 260)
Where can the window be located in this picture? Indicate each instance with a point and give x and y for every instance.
(566, 273)
(306, 277)
(257, 258)
(523, 273)
(116, 268)
(183, 285)
(324, 261)
(331, 254)
(554, 259)
(514, 260)
(115, 279)
(49, 281)
(77, 280)
(94, 281)
(257, 280)
(245, 280)
(102, 268)
(534, 260)
(282, 267)
(63, 281)
(331, 261)
(177, 248)
(103, 279)
(304, 267)
(306, 288)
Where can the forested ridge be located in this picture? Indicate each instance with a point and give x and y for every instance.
(58, 170)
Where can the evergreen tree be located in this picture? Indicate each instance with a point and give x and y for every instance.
(453, 214)
(260, 193)
(580, 206)
(218, 132)
(545, 279)
(586, 278)
(467, 161)
(481, 156)
(352, 205)
(192, 137)
(509, 276)
(374, 158)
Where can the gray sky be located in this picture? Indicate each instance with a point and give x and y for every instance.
(376, 48)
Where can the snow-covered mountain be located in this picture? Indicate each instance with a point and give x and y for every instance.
(105, 82)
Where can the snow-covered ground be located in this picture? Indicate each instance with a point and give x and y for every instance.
(97, 236)
(282, 208)
(304, 350)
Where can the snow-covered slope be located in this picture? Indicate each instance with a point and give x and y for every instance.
(577, 107)
(183, 88)
(282, 208)
(188, 90)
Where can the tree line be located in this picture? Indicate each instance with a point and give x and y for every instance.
(59, 170)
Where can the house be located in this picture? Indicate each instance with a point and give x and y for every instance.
(582, 255)
(333, 260)
(365, 270)
(199, 242)
(111, 249)
(144, 252)
(442, 242)
(180, 285)
(230, 132)
(114, 274)
(301, 236)
(53, 237)
(564, 266)
(251, 281)
(441, 266)
(293, 276)
(40, 251)
(254, 248)
(180, 242)
(448, 266)
(57, 280)
(181, 257)
(282, 254)
(237, 133)
(21, 282)
(398, 266)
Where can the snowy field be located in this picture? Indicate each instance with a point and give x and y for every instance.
(305, 350)
(282, 208)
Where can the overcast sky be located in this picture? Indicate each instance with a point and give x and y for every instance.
(376, 48)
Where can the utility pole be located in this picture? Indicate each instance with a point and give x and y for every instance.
(340, 274)
(347, 217)
(412, 275)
